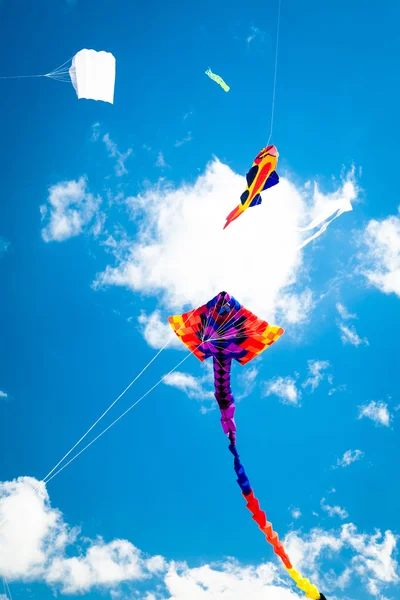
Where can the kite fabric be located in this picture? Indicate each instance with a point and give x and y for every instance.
(261, 176)
(91, 73)
(218, 80)
(224, 330)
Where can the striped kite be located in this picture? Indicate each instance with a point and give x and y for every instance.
(225, 330)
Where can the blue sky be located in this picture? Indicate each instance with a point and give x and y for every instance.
(83, 313)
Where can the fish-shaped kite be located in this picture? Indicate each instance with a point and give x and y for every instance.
(218, 80)
(261, 176)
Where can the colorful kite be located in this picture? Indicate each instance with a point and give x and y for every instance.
(218, 80)
(225, 330)
(261, 176)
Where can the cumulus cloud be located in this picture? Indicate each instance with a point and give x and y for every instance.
(377, 412)
(349, 457)
(381, 262)
(316, 373)
(69, 210)
(37, 545)
(349, 335)
(370, 558)
(182, 255)
(284, 388)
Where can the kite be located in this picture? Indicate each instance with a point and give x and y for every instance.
(91, 73)
(218, 80)
(261, 176)
(224, 330)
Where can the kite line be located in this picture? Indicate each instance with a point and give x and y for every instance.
(275, 71)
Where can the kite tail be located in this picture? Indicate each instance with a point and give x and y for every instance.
(223, 395)
(265, 526)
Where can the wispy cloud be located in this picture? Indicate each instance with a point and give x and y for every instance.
(295, 512)
(349, 457)
(70, 209)
(344, 313)
(334, 511)
(349, 335)
(285, 388)
(377, 412)
(120, 158)
(316, 373)
(194, 387)
(185, 140)
(255, 32)
(160, 162)
(342, 387)
(3, 394)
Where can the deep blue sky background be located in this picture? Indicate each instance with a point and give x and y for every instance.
(67, 350)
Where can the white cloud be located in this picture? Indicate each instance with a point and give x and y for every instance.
(113, 152)
(334, 511)
(69, 211)
(183, 256)
(225, 581)
(340, 388)
(284, 388)
(255, 33)
(192, 386)
(316, 373)
(381, 264)
(183, 141)
(344, 313)
(37, 545)
(157, 332)
(349, 335)
(348, 458)
(377, 412)
(296, 513)
(3, 394)
(160, 162)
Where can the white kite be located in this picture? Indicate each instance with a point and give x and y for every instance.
(91, 73)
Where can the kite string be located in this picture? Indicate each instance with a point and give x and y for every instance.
(275, 72)
(118, 418)
(112, 404)
(125, 412)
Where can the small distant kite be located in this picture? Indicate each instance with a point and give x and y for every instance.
(225, 330)
(218, 80)
(91, 73)
(261, 176)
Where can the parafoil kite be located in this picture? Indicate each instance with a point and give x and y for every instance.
(261, 176)
(218, 80)
(91, 73)
(225, 330)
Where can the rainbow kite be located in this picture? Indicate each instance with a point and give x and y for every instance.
(225, 330)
